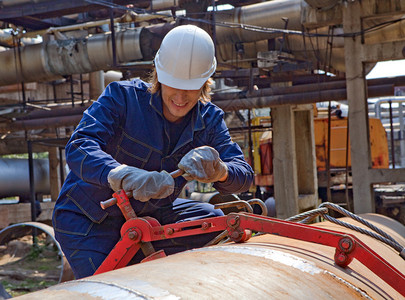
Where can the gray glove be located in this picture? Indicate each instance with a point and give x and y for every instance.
(203, 164)
(143, 185)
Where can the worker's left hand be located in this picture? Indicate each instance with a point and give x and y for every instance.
(204, 164)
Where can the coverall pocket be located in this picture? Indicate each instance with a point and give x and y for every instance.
(77, 213)
(133, 152)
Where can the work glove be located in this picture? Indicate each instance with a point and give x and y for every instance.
(143, 185)
(203, 164)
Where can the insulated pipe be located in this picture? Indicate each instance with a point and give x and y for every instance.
(55, 58)
(52, 59)
(265, 267)
(14, 177)
(164, 4)
(268, 14)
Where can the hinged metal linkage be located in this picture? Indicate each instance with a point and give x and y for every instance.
(239, 226)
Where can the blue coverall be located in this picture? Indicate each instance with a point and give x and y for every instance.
(126, 126)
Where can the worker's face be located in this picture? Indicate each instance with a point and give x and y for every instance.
(177, 103)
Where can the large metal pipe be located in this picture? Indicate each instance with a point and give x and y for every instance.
(14, 177)
(49, 122)
(52, 59)
(265, 267)
(261, 101)
(268, 14)
(55, 58)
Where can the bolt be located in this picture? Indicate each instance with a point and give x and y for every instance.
(235, 235)
(132, 235)
(169, 231)
(341, 258)
(346, 244)
(205, 226)
(233, 221)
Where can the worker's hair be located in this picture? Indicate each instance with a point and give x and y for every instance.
(205, 91)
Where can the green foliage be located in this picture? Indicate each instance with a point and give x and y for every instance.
(38, 155)
(27, 286)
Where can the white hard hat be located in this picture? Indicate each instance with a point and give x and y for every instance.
(186, 58)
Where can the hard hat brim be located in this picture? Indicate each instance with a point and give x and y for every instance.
(183, 84)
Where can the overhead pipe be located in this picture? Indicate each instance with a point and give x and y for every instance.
(261, 100)
(322, 4)
(304, 88)
(267, 266)
(52, 122)
(57, 112)
(6, 3)
(267, 14)
(55, 58)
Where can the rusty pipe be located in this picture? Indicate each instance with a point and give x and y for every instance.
(261, 101)
(40, 123)
(311, 86)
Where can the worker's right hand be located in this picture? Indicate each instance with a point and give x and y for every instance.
(144, 185)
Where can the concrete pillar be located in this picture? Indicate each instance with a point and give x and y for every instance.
(294, 160)
(96, 80)
(284, 162)
(363, 197)
(305, 147)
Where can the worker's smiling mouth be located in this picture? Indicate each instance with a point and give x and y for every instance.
(179, 104)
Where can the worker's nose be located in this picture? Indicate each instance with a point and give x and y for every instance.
(180, 96)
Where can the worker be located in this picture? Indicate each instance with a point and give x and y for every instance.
(132, 137)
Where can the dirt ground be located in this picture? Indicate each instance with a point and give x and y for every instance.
(25, 267)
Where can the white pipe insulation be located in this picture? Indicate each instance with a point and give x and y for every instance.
(55, 58)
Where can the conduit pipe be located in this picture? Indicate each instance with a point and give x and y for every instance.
(265, 267)
(260, 101)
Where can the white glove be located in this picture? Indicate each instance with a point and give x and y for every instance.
(203, 164)
(143, 185)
